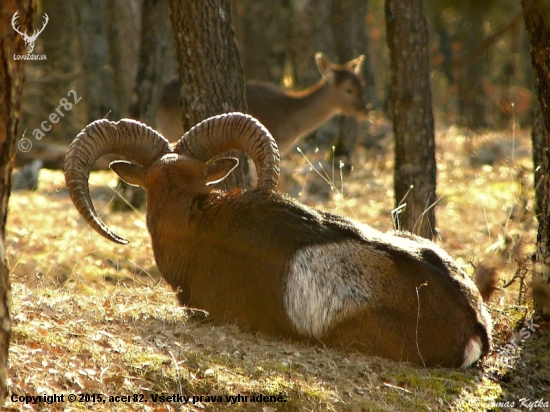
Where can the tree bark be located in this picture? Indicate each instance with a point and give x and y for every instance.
(210, 71)
(262, 31)
(152, 55)
(471, 99)
(59, 68)
(147, 87)
(11, 87)
(209, 67)
(537, 22)
(540, 139)
(122, 23)
(351, 40)
(98, 86)
(541, 162)
(411, 109)
(310, 32)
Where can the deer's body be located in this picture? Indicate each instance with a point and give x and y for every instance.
(289, 115)
(297, 114)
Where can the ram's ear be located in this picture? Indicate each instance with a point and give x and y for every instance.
(219, 169)
(130, 173)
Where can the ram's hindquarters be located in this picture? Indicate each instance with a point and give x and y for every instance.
(424, 311)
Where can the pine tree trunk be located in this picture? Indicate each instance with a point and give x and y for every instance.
(351, 40)
(540, 139)
(59, 68)
(98, 87)
(152, 55)
(471, 98)
(310, 32)
(411, 109)
(210, 71)
(122, 24)
(541, 162)
(147, 86)
(209, 67)
(537, 22)
(262, 30)
(11, 87)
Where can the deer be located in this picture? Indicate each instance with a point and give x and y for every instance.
(289, 115)
(29, 40)
(270, 264)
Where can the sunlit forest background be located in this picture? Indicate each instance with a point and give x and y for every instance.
(93, 317)
(479, 53)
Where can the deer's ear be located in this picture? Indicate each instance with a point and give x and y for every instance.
(325, 66)
(356, 64)
(219, 169)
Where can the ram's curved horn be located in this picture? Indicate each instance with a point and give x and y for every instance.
(126, 137)
(234, 131)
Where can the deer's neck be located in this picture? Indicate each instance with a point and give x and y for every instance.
(312, 107)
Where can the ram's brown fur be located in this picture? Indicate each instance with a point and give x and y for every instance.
(270, 264)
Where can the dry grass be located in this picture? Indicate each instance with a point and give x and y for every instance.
(92, 317)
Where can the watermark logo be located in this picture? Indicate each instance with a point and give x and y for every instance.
(24, 145)
(505, 356)
(29, 40)
(505, 353)
(65, 106)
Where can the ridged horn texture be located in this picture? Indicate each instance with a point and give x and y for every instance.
(234, 131)
(126, 137)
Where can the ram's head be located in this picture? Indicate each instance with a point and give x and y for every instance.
(187, 160)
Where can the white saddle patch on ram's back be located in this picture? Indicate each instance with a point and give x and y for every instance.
(327, 284)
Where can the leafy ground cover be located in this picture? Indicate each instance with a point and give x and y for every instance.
(94, 318)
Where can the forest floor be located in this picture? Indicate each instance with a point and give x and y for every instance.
(93, 318)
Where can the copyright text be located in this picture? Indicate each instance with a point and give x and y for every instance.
(143, 398)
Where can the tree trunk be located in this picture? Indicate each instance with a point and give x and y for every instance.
(541, 165)
(59, 68)
(262, 30)
(537, 22)
(210, 71)
(541, 144)
(351, 40)
(310, 32)
(471, 99)
(411, 109)
(209, 67)
(98, 86)
(147, 87)
(11, 87)
(122, 23)
(152, 55)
